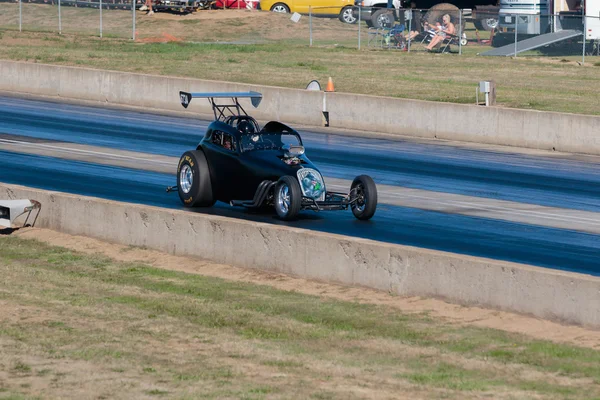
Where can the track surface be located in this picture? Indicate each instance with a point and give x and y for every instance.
(529, 207)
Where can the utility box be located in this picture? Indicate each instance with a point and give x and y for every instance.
(488, 90)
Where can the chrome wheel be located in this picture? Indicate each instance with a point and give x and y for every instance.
(385, 20)
(361, 200)
(492, 23)
(186, 178)
(347, 16)
(280, 8)
(283, 198)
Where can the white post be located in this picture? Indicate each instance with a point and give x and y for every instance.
(359, 12)
(410, 29)
(133, 25)
(20, 15)
(59, 20)
(310, 24)
(516, 29)
(584, 30)
(101, 18)
(461, 32)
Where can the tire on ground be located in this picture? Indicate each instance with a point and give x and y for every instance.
(288, 198)
(382, 18)
(280, 7)
(194, 191)
(346, 16)
(486, 24)
(364, 209)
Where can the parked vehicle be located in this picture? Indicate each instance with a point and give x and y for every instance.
(239, 163)
(376, 14)
(538, 17)
(182, 6)
(326, 8)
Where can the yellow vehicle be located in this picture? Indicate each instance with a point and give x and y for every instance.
(331, 8)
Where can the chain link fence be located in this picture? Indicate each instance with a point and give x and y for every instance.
(103, 18)
(523, 34)
(442, 29)
(450, 30)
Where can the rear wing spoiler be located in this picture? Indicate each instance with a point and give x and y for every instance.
(186, 97)
(222, 109)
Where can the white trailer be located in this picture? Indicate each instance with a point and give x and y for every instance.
(592, 20)
(544, 22)
(528, 17)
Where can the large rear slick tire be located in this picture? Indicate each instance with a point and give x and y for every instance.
(288, 198)
(366, 194)
(193, 180)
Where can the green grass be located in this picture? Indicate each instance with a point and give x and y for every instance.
(279, 55)
(178, 334)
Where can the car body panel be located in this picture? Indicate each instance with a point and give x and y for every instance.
(235, 174)
(318, 7)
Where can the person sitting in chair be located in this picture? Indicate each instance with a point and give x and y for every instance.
(416, 24)
(441, 32)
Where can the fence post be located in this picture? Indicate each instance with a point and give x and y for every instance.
(359, 12)
(584, 31)
(409, 30)
(460, 33)
(516, 29)
(59, 20)
(133, 24)
(100, 18)
(310, 24)
(20, 15)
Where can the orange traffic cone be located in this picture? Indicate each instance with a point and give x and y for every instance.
(329, 87)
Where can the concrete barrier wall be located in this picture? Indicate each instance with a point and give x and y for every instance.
(153, 92)
(403, 270)
(470, 123)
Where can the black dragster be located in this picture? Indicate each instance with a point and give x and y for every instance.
(242, 164)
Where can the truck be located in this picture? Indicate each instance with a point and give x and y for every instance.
(533, 18)
(380, 13)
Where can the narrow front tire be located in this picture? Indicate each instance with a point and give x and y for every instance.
(288, 198)
(364, 192)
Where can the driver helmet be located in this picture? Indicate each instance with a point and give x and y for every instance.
(246, 127)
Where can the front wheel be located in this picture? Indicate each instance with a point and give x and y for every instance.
(280, 8)
(347, 16)
(365, 192)
(288, 198)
